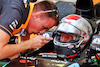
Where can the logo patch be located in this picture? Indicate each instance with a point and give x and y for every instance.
(14, 24)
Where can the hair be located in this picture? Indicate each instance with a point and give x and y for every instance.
(47, 5)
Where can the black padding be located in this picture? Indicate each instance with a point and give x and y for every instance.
(84, 4)
(85, 8)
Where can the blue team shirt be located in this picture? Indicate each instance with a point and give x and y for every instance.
(13, 14)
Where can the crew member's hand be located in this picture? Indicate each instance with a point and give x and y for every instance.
(39, 41)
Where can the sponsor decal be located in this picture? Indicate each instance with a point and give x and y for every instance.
(14, 24)
(97, 49)
(59, 61)
(96, 41)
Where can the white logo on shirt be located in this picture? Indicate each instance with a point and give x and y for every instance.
(13, 24)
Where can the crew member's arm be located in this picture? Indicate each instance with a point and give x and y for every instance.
(11, 18)
(7, 50)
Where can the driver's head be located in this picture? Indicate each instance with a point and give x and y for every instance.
(66, 37)
(72, 35)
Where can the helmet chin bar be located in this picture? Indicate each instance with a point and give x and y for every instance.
(79, 44)
(72, 43)
(73, 47)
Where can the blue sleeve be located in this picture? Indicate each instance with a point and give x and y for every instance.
(11, 18)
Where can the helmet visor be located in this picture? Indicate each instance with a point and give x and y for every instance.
(67, 37)
(68, 28)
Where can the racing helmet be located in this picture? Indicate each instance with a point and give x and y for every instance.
(72, 35)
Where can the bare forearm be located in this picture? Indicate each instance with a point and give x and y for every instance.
(12, 49)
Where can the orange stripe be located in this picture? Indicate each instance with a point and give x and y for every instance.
(6, 29)
(29, 15)
(96, 2)
(17, 30)
(23, 26)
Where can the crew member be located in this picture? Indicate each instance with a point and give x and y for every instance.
(17, 17)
